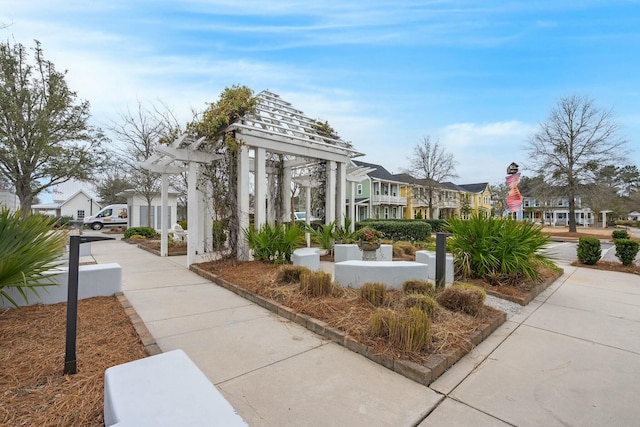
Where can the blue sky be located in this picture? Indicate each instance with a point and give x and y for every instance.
(477, 76)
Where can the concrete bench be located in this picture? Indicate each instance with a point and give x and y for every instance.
(164, 390)
(307, 257)
(93, 280)
(351, 252)
(393, 273)
(429, 258)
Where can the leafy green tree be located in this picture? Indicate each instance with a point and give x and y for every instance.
(570, 146)
(45, 136)
(431, 163)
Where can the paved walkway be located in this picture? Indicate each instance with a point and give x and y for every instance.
(570, 358)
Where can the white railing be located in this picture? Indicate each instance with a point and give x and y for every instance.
(389, 200)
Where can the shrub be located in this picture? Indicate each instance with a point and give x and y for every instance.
(620, 234)
(373, 292)
(316, 283)
(290, 273)
(29, 250)
(136, 237)
(418, 287)
(403, 248)
(498, 249)
(408, 330)
(399, 229)
(425, 303)
(322, 234)
(274, 243)
(589, 250)
(63, 221)
(147, 232)
(183, 224)
(626, 250)
(464, 298)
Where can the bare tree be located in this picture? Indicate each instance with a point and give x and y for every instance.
(570, 146)
(140, 132)
(433, 165)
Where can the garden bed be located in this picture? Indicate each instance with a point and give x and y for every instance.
(344, 318)
(153, 246)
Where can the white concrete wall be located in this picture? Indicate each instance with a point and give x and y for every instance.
(93, 280)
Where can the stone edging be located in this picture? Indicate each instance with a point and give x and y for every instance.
(523, 301)
(146, 338)
(425, 374)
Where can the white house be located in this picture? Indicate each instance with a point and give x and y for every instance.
(634, 216)
(77, 206)
(9, 200)
(139, 209)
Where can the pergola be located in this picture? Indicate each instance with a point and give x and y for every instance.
(274, 128)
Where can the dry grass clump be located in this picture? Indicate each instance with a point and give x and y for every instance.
(290, 273)
(419, 287)
(464, 298)
(374, 293)
(424, 302)
(408, 330)
(316, 283)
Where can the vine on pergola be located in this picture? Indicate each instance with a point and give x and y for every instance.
(222, 175)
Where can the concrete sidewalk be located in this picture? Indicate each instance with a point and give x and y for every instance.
(571, 357)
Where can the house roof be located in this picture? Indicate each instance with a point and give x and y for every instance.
(379, 173)
(452, 186)
(478, 187)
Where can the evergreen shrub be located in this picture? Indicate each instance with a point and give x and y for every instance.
(589, 250)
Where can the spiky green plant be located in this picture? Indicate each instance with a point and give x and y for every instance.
(29, 250)
(501, 250)
(274, 243)
(323, 235)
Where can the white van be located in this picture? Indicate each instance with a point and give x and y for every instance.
(109, 215)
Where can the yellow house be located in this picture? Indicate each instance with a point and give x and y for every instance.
(476, 200)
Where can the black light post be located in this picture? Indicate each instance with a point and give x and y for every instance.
(70, 362)
(441, 259)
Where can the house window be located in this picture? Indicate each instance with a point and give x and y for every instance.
(359, 189)
(80, 214)
(386, 213)
(394, 212)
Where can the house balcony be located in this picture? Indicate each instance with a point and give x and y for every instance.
(381, 199)
(447, 204)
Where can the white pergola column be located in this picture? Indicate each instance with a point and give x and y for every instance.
(341, 193)
(330, 193)
(352, 206)
(193, 225)
(243, 253)
(205, 225)
(260, 212)
(307, 208)
(286, 195)
(164, 219)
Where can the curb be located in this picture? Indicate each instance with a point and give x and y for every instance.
(425, 374)
(537, 290)
(145, 336)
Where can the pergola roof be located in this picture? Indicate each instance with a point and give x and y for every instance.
(280, 128)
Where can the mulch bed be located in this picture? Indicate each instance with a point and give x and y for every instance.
(33, 389)
(346, 316)
(610, 266)
(521, 294)
(153, 246)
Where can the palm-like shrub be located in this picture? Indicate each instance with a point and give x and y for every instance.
(323, 235)
(500, 250)
(29, 250)
(274, 243)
